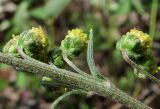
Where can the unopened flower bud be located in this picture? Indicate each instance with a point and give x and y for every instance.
(135, 41)
(74, 43)
(34, 43)
(137, 45)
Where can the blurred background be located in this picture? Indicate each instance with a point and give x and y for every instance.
(109, 19)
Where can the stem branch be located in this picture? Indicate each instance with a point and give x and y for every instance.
(85, 83)
(133, 64)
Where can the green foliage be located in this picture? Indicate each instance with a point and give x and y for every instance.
(3, 84)
(5, 25)
(21, 80)
(124, 7)
(127, 82)
(52, 8)
(84, 106)
(138, 6)
(123, 84)
(21, 18)
(27, 81)
(55, 56)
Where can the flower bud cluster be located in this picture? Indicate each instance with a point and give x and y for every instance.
(34, 43)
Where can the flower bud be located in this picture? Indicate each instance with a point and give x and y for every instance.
(135, 41)
(138, 47)
(74, 43)
(34, 43)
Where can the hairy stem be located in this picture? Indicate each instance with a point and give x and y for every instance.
(133, 64)
(70, 63)
(59, 99)
(74, 80)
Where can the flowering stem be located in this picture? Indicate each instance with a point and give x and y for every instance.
(46, 81)
(85, 83)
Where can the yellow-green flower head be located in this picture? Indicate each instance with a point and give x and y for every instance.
(137, 45)
(78, 33)
(74, 43)
(135, 41)
(40, 36)
(143, 37)
(35, 34)
(34, 43)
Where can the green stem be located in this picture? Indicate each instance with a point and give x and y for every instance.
(24, 56)
(134, 65)
(70, 63)
(52, 83)
(73, 79)
(153, 16)
(59, 99)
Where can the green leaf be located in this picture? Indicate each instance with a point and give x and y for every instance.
(21, 80)
(125, 6)
(3, 84)
(53, 8)
(123, 84)
(138, 6)
(84, 106)
(21, 17)
(27, 81)
(5, 25)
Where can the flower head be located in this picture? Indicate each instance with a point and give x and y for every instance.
(34, 43)
(135, 41)
(144, 38)
(137, 45)
(36, 35)
(74, 43)
(78, 33)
